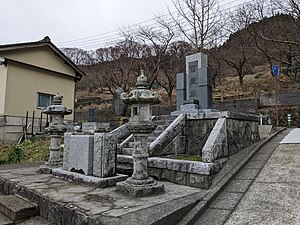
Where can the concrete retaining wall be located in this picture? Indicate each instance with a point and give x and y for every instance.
(11, 127)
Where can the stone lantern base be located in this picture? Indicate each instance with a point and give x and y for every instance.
(48, 166)
(134, 190)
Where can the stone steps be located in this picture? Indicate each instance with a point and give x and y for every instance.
(127, 151)
(125, 169)
(162, 123)
(16, 208)
(4, 220)
(36, 220)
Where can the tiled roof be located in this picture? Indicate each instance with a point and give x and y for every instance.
(44, 42)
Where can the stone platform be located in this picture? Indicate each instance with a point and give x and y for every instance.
(63, 202)
(88, 180)
(73, 203)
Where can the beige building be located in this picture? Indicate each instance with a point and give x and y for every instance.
(30, 75)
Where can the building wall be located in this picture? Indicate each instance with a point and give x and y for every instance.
(42, 57)
(3, 73)
(23, 84)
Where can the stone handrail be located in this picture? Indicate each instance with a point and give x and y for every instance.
(167, 136)
(216, 146)
(125, 142)
(126, 136)
(121, 132)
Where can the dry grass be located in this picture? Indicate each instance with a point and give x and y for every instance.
(28, 151)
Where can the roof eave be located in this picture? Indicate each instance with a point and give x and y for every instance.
(45, 42)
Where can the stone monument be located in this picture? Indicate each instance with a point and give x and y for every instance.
(120, 108)
(194, 89)
(140, 125)
(91, 114)
(56, 129)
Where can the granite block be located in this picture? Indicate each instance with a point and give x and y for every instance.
(79, 153)
(177, 165)
(200, 168)
(158, 162)
(104, 160)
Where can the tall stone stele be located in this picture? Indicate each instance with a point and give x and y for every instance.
(140, 125)
(56, 129)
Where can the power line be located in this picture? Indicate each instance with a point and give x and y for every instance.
(134, 25)
(117, 32)
(91, 41)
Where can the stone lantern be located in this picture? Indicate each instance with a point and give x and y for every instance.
(56, 129)
(140, 125)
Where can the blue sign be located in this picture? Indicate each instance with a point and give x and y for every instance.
(275, 70)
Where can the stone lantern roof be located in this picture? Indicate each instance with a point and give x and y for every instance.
(141, 95)
(57, 107)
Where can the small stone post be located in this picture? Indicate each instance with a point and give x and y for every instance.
(140, 124)
(56, 129)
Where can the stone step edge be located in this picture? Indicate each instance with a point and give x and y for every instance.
(22, 213)
(50, 207)
(44, 203)
(202, 205)
(4, 220)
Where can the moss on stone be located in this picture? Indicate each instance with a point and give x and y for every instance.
(188, 157)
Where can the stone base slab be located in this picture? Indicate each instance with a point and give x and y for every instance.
(140, 190)
(89, 180)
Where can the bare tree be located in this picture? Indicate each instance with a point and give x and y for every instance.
(117, 66)
(215, 62)
(156, 41)
(172, 63)
(240, 54)
(79, 56)
(199, 21)
(280, 43)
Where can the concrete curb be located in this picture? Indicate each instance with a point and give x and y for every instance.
(220, 185)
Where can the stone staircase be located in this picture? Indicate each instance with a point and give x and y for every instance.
(162, 123)
(16, 210)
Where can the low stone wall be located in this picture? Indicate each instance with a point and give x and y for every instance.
(241, 129)
(197, 132)
(184, 172)
(240, 105)
(241, 134)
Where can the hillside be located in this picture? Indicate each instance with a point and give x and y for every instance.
(241, 66)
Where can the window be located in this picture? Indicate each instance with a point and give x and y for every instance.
(44, 100)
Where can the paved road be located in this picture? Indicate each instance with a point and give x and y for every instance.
(265, 192)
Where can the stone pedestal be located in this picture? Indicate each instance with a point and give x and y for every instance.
(54, 158)
(55, 149)
(140, 184)
(140, 190)
(78, 153)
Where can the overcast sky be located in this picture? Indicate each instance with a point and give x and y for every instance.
(66, 20)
